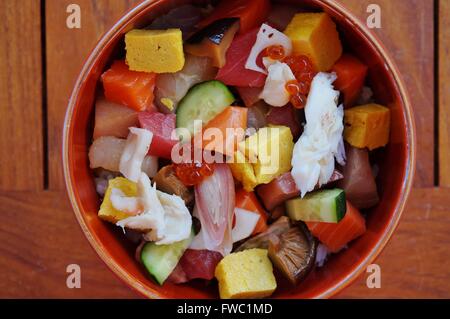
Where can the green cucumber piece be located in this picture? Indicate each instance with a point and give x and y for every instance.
(203, 102)
(161, 260)
(327, 205)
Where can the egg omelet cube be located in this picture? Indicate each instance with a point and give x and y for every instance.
(272, 148)
(107, 211)
(159, 51)
(243, 171)
(315, 35)
(367, 126)
(246, 274)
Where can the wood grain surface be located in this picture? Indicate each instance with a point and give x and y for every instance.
(39, 235)
(444, 93)
(21, 161)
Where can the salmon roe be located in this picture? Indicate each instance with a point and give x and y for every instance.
(275, 52)
(304, 73)
(191, 174)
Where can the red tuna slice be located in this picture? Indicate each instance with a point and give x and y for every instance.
(234, 71)
(196, 264)
(161, 125)
(283, 188)
(250, 95)
(287, 116)
(178, 276)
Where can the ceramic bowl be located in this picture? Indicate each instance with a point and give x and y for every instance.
(395, 171)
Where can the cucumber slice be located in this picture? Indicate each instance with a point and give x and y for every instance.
(326, 205)
(161, 260)
(204, 101)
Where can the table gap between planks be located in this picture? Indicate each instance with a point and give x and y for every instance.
(39, 62)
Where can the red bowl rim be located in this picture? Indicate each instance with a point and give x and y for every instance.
(410, 146)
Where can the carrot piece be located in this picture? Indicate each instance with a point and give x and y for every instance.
(233, 117)
(130, 88)
(336, 235)
(252, 13)
(249, 201)
(351, 74)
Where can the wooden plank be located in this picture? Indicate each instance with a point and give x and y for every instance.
(39, 238)
(67, 50)
(444, 93)
(21, 162)
(415, 262)
(407, 32)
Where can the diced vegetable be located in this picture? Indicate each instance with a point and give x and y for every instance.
(250, 12)
(367, 126)
(327, 205)
(107, 211)
(262, 240)
(232, 117)
(234, 71)
(129, 88)
(246, 274)
(159, 51)
(172, 87)
(272, 149)
(161, 260)
(213, 41)
(336, 236)
(245, 222)
(351, 74)
(203, 102)
(113, 119)
(358, 182)
(283, 188)
(162, 126)
(315, 35)
(195, 264)
(293, 252)
(287, 116)
(168, 182)
(249, 201)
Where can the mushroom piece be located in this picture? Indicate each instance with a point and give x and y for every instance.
(293, 252)
(262, 240)
(167, 181)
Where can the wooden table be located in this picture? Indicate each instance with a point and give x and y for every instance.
(39, 236)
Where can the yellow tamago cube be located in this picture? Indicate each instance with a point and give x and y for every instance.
(315, 35)
(246, 274)
(107, 211)
(367, 126)
(243, 171)
(270, 151)
(159, 51)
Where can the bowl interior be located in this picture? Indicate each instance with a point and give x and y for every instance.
(395, 164)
